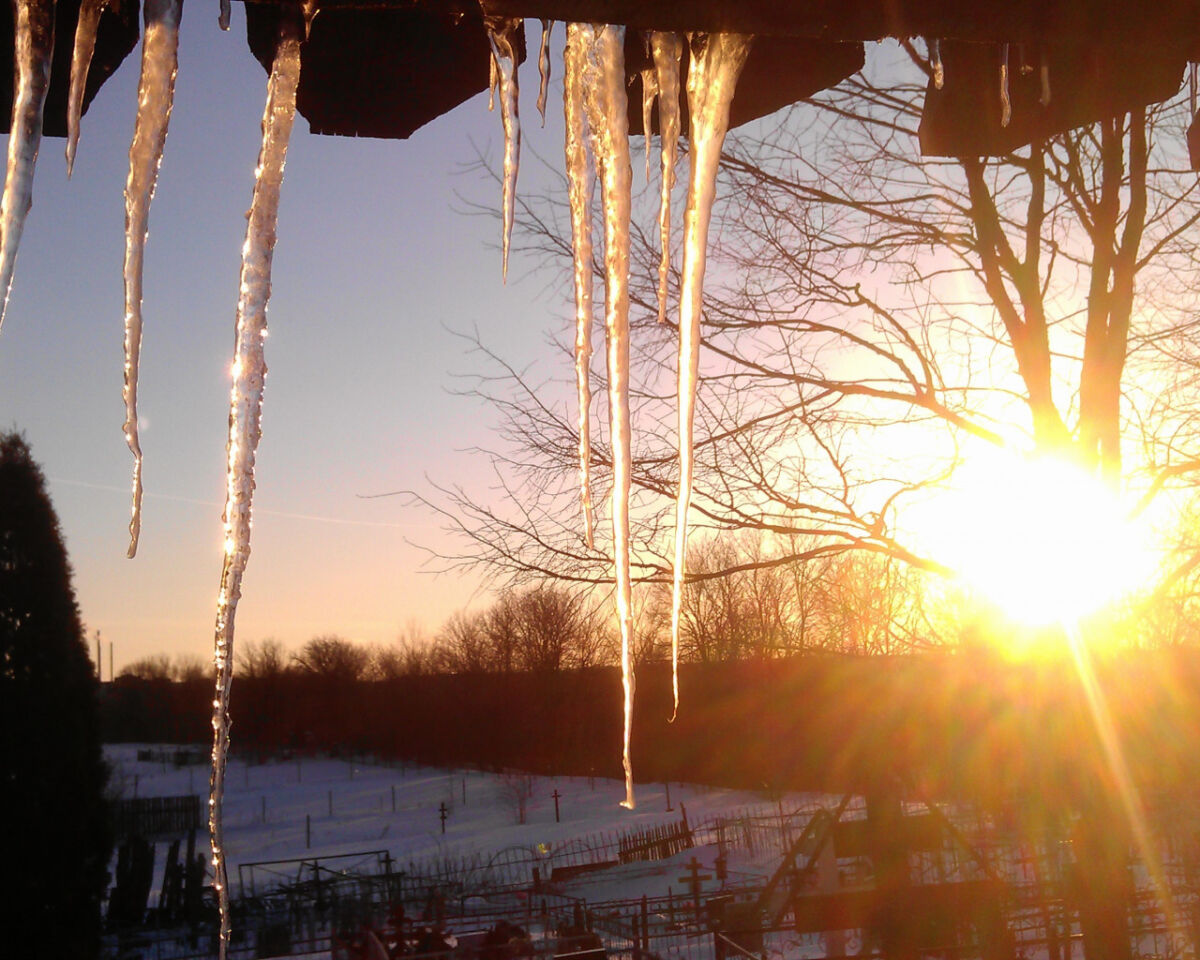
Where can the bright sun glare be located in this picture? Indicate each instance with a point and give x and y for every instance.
(1040, 538)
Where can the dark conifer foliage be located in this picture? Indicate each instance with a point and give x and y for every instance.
(53, 816)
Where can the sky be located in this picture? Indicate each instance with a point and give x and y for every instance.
(379, 266)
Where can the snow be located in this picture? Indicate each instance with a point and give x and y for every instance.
(363, 817)
(300, 791)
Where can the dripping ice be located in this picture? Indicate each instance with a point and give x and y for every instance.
(606, 107)
(715, 62)
(544, 68)
(502, 34)
(81, 60)
(32, 49)
(579, 192)
(249, 372)
(666, 49)
(649, 94)
(156, 92)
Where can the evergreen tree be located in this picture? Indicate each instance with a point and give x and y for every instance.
(53, 816)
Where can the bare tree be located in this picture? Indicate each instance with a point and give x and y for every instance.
(412, 654)
(190, 668)
(332, 658)
(514, 790)
(872, 316)
(156, 667)
(261, 659)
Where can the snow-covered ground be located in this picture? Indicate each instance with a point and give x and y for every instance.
(395, 808)
(304, 808)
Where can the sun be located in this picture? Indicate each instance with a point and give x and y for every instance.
(1039, 538)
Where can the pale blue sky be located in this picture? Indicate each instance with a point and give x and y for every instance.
(371, 267)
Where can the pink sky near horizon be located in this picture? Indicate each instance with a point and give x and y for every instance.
(374, 270)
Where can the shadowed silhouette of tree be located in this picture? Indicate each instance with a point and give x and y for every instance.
(57, 839)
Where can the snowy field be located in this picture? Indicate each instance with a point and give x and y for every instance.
(299, 809)
(355, 806)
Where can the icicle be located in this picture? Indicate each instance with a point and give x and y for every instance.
(502, 32)
(33, 46)
(1044, 99)
(223, 17)
(81, 60)
(245, 411)
(666, 48)
(649, 93)
(1005, 102)
(544, 68)
(716, 60)
(156, 92)
(493, 81)
(607, 113)
(579, 192)
(935, 60)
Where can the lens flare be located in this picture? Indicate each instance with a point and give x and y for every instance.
(1040, 538)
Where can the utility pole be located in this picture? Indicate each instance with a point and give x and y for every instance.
(110, 661)
(99, 672)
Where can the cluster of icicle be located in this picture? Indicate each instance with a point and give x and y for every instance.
(595, 107)
(33, 53)
(938, 72)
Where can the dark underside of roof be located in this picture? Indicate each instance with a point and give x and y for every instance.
(385, 68)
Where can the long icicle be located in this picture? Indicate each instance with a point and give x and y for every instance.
(544, 68)
(33, 48)
(649, 95)
(502, 34)
(156, 93)
(608, 121)
(81, 61)
(579, 192)
(716, 61)
(667, 49)
(245, 411)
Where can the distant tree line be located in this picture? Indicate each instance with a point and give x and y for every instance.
(951, 723)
